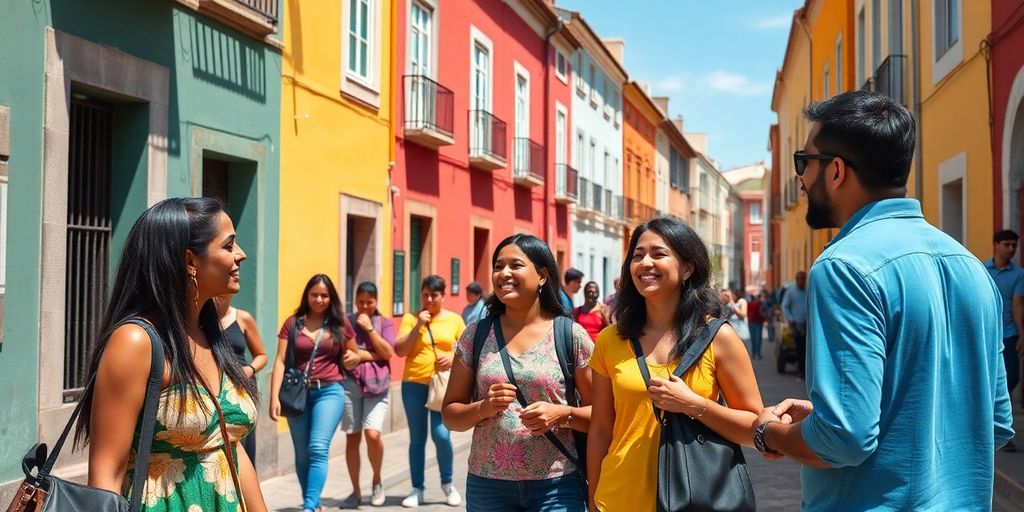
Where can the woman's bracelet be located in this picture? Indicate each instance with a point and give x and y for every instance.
(704, 410)
(477, 410)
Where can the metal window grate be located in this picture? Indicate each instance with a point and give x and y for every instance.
(88, 237)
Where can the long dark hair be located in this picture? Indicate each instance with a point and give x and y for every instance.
(540, 255)
(152, 282)
(697, 298)
(332, 316)
(369, 289)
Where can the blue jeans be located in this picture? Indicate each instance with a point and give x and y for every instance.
(311, 434)
(414, 399)
(756, 330)
(560, 494)
(1012, 362)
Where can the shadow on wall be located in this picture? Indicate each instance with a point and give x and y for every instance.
(236, 64)
(481, 188)
(423, 170)
(524, 203)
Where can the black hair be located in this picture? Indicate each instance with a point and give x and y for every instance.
(1004, 235)
(593, 283)
(573, 274)
(697, 297)
(152, 281)
(540, 255)
(871, 132)
(475, 288)
(369, 289)
(333, 316)
(433, 283)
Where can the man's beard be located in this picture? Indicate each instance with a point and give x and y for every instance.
(819, 207)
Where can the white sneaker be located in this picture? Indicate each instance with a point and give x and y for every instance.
(377, 499)
(414, 498)
(451, 496)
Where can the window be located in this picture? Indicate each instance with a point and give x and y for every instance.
(361, 51)
(755, 213)
(607, 168)
(522, 105)
(561, 67)
(560, 122)
(578, 152)
(947, 25)
(876, 34)
(359, 23)
(481, 78)
(592, 160)
(420, 40)
(480, 88)
(860, 48)
(895, 27)
(580, 86)
(826, 84)
(839, 64)
(593, 85)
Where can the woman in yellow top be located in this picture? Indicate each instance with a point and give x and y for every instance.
(666, 298)
(427, 341)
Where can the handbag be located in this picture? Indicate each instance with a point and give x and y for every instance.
(698, 470)
(295, 386)
(438, 382)
(44, 492)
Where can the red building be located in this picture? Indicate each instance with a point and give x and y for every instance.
(749, 182)
(1005, 43)
(478, 137)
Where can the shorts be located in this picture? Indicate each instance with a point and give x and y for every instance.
(362, 412)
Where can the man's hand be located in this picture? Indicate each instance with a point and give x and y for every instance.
(792, 410)
(767, 414)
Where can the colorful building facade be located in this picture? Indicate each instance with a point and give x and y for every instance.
(641, 118)
(748, 183)
(1005, 41)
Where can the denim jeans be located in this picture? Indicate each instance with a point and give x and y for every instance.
(756, 331)
(560, 494)
(1012, 362)
(311, 434)
(414, 398)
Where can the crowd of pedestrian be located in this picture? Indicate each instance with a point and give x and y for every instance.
(591, 406)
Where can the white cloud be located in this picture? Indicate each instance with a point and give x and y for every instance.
(732, 83)
(669, 84)
(774, 22)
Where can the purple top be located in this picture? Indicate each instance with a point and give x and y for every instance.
(373, 377)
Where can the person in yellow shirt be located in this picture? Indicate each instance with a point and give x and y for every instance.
(665, 300)
(427, 341)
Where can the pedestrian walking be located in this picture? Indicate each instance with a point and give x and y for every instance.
(665, 304)
(366, 393)
(573, 283)
(180, 253)
(794, 311)
(755, 324)
(609, 303)
(475, 309)
(735, 312)
(427, 341)
(1009, 278)
(241, 333)
(322, 343)
(592, 314)
(515, 383)
(770, 315)
(908, 398)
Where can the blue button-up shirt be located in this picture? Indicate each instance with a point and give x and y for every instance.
(474, 312)
(1010, 281)
(794, 305)
(904, 368)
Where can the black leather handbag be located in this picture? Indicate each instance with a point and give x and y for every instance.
(43, 492)
(698, 470)
(295, 386)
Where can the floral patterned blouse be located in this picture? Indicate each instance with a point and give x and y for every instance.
(188, 470)
(503, 448)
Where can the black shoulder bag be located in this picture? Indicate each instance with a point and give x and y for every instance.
(44, 492)
(698, 470)
(295, 385)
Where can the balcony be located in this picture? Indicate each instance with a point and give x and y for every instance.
(566, 184)
(889, 78)
(597, 198)
(257, 18)
(607, 202)
(488, 143)
(617, 208)
(429, 112)
(527, 162)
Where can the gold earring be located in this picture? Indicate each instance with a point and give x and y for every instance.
(195, 284)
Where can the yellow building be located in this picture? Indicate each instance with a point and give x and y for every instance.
(337, 142)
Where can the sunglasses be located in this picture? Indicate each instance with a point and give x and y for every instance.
(800, 159)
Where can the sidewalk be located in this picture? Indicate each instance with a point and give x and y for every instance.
(1010, 466)
(282, 493)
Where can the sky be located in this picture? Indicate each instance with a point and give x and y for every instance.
(715, 59)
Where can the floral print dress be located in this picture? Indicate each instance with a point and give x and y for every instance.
(188, 470)
(503, 448)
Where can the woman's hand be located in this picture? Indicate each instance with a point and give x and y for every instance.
(275, 408)
(499, 397)
(674, 395)
(444, 362)
(540, 417)
(350, 359)
(363, 320)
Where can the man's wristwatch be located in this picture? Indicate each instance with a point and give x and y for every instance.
(759, 439)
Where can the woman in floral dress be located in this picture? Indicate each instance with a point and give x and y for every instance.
(512, 465)
(180, 254)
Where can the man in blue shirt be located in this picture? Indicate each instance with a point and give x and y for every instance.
(573, 283)
(476, 309)
(908, 398)
(794, 311)
(1009, 278)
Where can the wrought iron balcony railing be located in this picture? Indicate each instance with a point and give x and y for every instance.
(566, 183)
(267, 8)
(429, 111)
(488, 140)
(527, 162)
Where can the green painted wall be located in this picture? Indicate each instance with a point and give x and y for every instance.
(21, 27)
(220, 80)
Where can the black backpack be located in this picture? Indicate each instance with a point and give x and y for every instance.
(566, 352)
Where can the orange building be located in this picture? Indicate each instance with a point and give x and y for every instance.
(639, 186)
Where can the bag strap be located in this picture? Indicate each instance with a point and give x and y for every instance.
(316, 345)
(148, 417)
(507, 363)
(689, 358)
(564, 346)
(227, 450)
(483, 328)
(293, 334)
